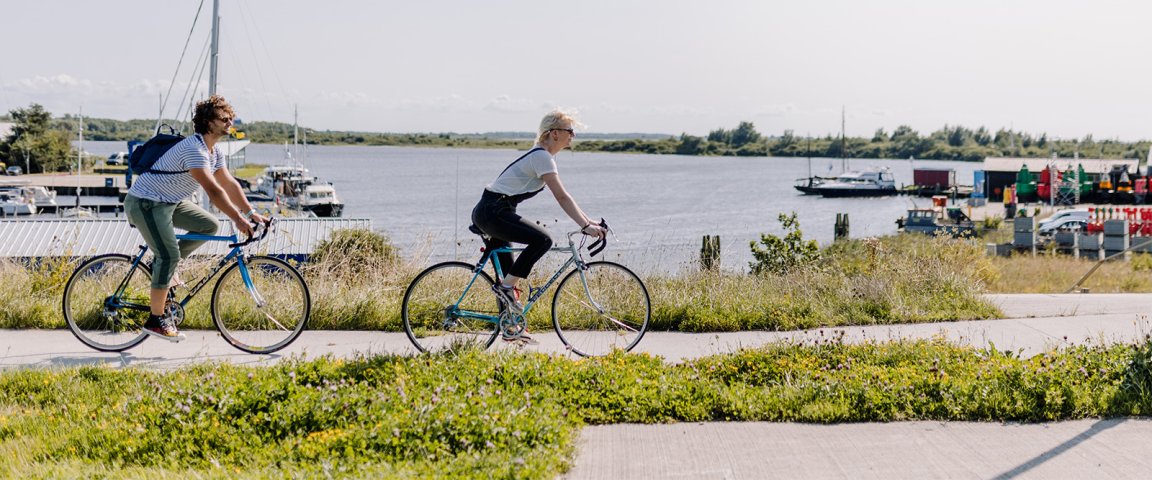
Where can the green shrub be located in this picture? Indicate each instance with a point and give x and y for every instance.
(354, 250)
(782, 255)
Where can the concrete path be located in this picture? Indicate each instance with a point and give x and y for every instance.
(1034, 323)
(1115, 448)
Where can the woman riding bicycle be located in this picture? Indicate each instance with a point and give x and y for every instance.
(495, 214)
(157, 203)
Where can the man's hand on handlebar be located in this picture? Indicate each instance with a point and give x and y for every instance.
(251, 224)
(259, 219)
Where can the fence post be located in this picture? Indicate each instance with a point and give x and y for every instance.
(840, 231)
(710, 252)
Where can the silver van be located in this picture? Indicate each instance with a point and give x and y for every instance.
(118, 158)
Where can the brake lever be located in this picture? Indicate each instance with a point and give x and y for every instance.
(601, 242)
(255, 237)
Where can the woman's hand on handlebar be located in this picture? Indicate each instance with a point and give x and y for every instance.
(594, 230)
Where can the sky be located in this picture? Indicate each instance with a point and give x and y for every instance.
(1060, 67)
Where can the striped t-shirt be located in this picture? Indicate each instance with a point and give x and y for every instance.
(190, 153)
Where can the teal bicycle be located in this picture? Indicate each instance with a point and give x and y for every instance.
(598, 307)
(260, 304)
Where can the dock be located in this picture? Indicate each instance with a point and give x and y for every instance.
(89, 184)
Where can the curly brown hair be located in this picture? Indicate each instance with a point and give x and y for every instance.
(208, 110)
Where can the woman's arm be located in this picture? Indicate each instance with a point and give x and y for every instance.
(552, 180)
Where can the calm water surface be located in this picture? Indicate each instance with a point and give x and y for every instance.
(660, 206)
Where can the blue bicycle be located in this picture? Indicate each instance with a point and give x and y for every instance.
(598, 306)
(260, 304)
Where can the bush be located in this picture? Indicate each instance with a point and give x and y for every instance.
(781, 255)
(354, 250)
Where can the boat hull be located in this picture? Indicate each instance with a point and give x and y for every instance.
(325, 209)
(833, 192)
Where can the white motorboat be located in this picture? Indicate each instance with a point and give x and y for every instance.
(25, 199)
(869, 183)
(294, 187)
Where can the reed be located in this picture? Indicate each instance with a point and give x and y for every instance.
(858, 282)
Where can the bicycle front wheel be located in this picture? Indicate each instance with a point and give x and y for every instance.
(601, 308)
(266, 315)
(449, 307)
(99, 312)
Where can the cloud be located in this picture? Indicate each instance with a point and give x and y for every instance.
(508, 104)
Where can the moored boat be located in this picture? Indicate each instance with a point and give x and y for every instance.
(869, 183)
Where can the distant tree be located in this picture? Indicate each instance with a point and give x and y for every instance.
(982, 137)
(879, 136)
(690, 145)
(720, 135)
(744, 134)
(786, 140)
(957, 136)
(34, 144)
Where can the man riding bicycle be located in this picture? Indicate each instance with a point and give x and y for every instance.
(158, 203)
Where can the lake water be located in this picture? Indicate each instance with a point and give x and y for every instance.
(660, 206)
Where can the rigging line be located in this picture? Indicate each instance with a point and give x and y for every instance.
(197, 74)
(249, 27)
(178, 64)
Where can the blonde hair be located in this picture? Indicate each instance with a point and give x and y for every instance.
(555, 120)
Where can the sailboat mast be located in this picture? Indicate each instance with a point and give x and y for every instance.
(809, 153)
(214, 55)
(79, 156)
(843, 143)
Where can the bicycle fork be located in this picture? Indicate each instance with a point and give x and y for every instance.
(255, 293)
(597, 306)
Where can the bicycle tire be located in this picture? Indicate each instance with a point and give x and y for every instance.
(432, 300)
(92, 313)
(254, 328)
(619, 323)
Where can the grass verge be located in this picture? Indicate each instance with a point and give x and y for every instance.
(513, 415)
(900, 279)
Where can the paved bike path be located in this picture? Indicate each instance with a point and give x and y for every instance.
(1115, 448)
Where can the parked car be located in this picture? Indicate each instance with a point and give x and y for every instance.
(1081, 214)
(1066, 224)
(118, 158)
(14, 170)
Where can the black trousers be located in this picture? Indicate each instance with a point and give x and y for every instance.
(496, 216)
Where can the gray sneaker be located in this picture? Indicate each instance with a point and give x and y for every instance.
(520, 339)
(509, 297)
(165, 328)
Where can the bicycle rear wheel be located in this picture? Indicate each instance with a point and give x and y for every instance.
(266, 317)
(602, 308)
(95, 313)
(437, 304)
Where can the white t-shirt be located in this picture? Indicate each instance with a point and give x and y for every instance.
(525, 174)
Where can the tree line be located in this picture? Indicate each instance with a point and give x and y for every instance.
(43, 143)
(948, 143)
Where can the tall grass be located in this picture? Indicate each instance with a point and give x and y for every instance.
(896, 279)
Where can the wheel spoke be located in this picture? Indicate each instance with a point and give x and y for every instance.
(441, 307)
(98, 311)
(600, 309)
(266, 317)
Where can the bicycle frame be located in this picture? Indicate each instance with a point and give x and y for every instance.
(534, 294)
(236, 254)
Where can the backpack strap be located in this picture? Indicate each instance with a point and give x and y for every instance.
(518, 159)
